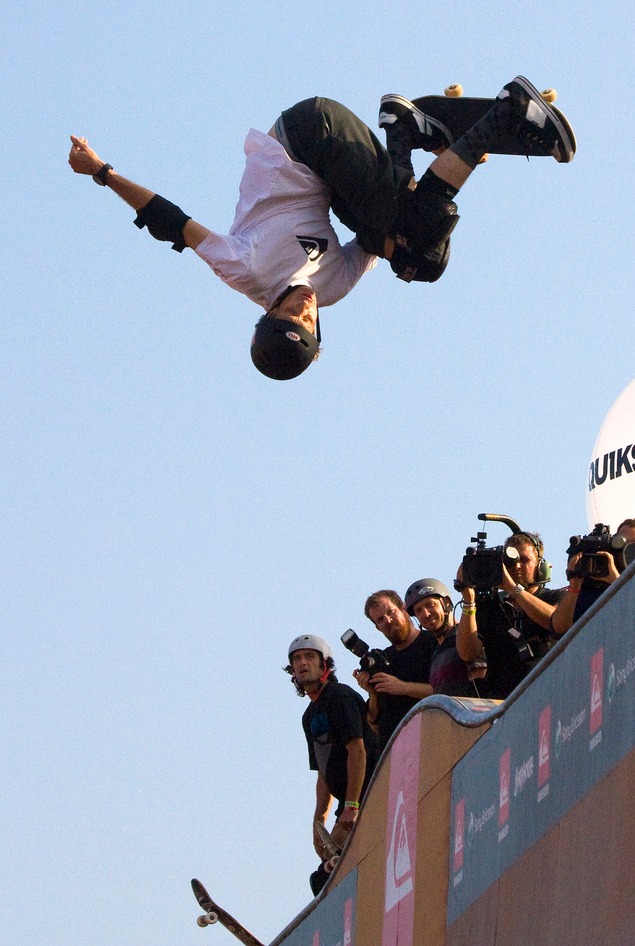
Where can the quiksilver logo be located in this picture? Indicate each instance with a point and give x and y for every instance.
(398, 865)
(612, 465)
(314, 247)
(504, 790)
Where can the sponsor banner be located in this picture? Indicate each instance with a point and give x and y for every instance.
(610, 494)
(570, 728)
(332, 923)
(401, 836)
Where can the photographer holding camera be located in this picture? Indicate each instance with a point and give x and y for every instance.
(392, 694)
(512, 619)
(595, 561)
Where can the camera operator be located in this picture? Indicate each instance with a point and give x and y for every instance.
(627, 529)
(513, 623)
(585, 589)
(392, 695)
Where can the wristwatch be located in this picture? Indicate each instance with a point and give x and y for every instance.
(100, 176)
(516, 593)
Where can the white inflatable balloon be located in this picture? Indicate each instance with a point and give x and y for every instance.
(611, 484)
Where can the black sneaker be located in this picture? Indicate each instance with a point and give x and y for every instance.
(426, 133)
(534, 120)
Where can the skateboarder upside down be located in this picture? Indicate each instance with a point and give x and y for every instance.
(282, 252)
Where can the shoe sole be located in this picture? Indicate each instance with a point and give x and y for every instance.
(406, 103)
(562, 126)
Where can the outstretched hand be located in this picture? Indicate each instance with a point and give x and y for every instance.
(83, 159)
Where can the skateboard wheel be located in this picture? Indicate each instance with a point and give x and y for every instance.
(212, 917)
(549, 95)
(202, 921)
(454, 91)
(331, 864)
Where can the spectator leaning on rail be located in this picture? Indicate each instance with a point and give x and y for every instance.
(512, 622)
(429, 601)
(340, 741)
(391, 695)
(583, 591)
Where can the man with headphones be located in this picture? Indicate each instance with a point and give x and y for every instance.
(511, 622)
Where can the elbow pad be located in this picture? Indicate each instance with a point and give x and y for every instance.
(164, 220)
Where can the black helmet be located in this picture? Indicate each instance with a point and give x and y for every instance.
(424, 588)
(282, 349)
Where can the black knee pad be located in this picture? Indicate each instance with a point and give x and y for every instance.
(424, 219)
(164, 220)
(439, 214)
(421, 266)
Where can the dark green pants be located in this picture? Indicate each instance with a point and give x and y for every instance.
(346, 155)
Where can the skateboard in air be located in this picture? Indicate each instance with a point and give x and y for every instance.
(215, 914)
(458, 113)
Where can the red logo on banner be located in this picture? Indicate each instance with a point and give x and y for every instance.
(459, 835)
(316, 938)
(348, 923)
(401, 836)
(597, 687)
(503, 801)
(544, 745)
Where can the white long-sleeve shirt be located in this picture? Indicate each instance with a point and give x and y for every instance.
(282, 234)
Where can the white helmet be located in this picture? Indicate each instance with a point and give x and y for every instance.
(310, 642)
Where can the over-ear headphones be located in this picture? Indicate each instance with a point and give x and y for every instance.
(543, 568)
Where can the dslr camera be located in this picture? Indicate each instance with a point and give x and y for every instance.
(483, 567)
(592, 565)
(371, 660)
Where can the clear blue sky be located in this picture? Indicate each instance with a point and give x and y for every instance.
(171, 519)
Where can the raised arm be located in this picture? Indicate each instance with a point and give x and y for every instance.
(84, 160)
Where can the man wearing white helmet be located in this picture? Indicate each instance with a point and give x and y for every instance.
(340, 741)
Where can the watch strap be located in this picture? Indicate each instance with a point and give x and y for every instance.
(100, 176)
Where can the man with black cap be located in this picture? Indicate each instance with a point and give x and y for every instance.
(318, 157)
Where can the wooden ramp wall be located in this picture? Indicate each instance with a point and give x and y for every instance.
(490, 825)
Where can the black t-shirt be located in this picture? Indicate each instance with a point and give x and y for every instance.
(337, 716)
(505, 666)
(590, 591)
(413, 665)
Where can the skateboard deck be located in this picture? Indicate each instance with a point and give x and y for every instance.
(215, 914)
(458, 113)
